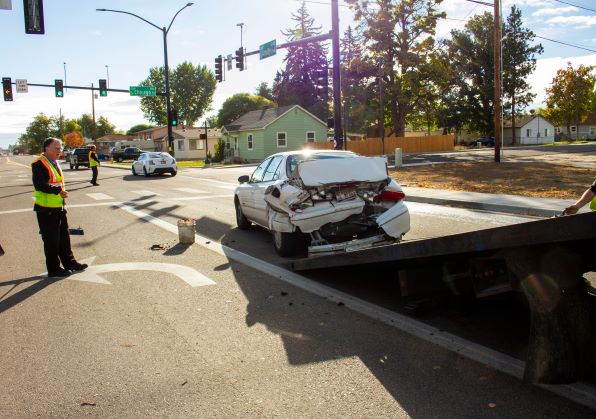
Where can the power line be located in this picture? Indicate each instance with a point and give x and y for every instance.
(565, 43)
(575, 5)
(481, 2)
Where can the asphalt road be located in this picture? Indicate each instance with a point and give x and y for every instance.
(240, 335)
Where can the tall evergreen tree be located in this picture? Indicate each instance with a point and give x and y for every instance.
(357, 73)
(296, 82)
(519, 61)
(399, 34)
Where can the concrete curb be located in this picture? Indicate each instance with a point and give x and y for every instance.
(483, 206)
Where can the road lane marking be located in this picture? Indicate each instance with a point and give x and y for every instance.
(190, 190)
(145, 193)
(99, 196)
(192, 198)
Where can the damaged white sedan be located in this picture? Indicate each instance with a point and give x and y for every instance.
(323, 201)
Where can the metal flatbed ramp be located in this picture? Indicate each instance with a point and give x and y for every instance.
(568, 230)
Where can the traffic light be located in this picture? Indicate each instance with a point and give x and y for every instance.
(33, 10)
(219, 68)
(59, 88)
(322, 80)
(173, 118)
(7, 89)
(103, 88)
(202, 136)
(240, 58)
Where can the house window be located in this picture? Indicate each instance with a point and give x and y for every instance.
(201, 145)
(249, 141)
(592, 131)
(281, 140)
(546, 132)
(528, 132)
(310, 136)
(573, 128)
(192, 144)
(180, 144)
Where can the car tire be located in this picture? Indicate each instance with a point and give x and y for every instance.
(174, 173)
(134, 172)
(285, 244)
(119, 159)
(241, 220)
(145, 171)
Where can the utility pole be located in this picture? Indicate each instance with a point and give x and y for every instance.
(497, 55)
(337, 127)
(93, 111)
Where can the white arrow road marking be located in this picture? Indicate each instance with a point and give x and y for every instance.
(189, 275)
(190, 190)
(145, 193)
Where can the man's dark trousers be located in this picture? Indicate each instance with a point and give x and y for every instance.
(94, 178)
(56, 240)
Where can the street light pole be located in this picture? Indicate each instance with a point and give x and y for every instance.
(108, 75)
(167, 70)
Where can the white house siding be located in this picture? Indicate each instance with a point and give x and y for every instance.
(537, 131)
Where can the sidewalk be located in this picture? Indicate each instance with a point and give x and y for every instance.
(512, 204)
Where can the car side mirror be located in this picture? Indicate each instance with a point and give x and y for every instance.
(243, 179)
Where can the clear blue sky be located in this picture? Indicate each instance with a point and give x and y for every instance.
(88, 41)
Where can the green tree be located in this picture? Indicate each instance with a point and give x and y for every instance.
(36, 132)
(357, 71)
(104, 127)
(571, 93)
(236, 106)
(400, 38)
(139, 127)
(470, 54)
(265, 91)
(191, 93)
(295, 84)
(519, 61)
(86, 124)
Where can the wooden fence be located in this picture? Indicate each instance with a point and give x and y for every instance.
(374, 147)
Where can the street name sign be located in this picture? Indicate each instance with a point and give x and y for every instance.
(22, 86)
(142, 91)
(267, 49)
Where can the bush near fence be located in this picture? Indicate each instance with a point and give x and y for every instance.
(374, 146)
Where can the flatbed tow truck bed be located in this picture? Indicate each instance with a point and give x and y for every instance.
(543, 260)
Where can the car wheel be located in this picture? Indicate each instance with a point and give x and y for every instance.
(119, 159)
(241, 221)
(145, 171)
(285, 243)
(174, 172)
(134, 172)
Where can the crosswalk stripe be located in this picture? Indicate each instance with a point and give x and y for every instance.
(190, 190)
(145, 193)
(99, 196)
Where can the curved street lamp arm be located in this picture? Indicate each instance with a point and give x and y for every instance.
(132, 14)
(187, 5)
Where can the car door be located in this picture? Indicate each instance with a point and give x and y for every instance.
(245, 191)
(270, 175)
(138, 164)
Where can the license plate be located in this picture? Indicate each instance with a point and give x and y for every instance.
(163, 162)
(344, 194)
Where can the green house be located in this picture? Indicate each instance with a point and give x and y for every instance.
(259, 134)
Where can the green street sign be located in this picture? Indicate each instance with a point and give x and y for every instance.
(267, 49)
(142, 91)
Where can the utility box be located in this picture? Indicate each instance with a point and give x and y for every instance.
(398, 158)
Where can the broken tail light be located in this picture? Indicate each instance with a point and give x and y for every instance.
(390, 196)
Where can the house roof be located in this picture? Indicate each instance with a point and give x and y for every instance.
(115, 137)
(260, 119)
(520, 121)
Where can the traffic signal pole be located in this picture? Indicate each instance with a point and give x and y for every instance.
(337, 129)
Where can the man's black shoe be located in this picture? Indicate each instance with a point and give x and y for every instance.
(62, 273)
(78, 267)
(95, 184)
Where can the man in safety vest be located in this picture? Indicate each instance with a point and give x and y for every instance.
(589, 195)
(93, 164)
(50, 208)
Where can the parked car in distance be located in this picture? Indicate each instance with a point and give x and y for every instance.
(154, 163)
(129, 153)
(323, 201)
(79, 157)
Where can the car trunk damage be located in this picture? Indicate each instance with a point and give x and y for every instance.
(343, 203)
